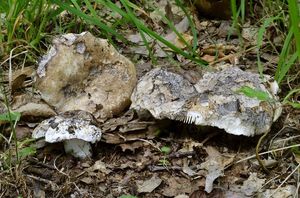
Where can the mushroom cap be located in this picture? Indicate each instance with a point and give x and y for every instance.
(162, 93)
(60, 128)
(82, 72)
(214, 100)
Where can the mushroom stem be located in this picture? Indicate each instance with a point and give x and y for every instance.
(78, 148)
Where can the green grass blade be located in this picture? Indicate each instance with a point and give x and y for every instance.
(234, 11)
(254, 93)
(295, 21)
(164, 41)
(179, 35)
(139, 26)
(260, 38)
(90, 19)
(283, 54)
(243, 10)
(76, 5)
(27, 151)
(11, 116)
(191, 23)
(292, 103)
(90, 7)
(286, 67)
(129, 15)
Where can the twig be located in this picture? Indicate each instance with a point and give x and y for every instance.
(231, 55)
(60, 171)
(2, 194)
(273, 138)
(181, 154)
(83, 172)
(147, 141)
(261, 163)
(160, 168)
(211, 135)
(298, 186)
(285, 180)
(53, 185)
(268, 182)
(289, 138)
(267, 152)
(13, 57)
(41, 164)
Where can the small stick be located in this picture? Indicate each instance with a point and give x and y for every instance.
(261, 163)
(53, 185)
(267, 152)
(41, 164)
(160, 168)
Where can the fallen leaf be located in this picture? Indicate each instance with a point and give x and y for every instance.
(87, 180)
(177, 186)
(37, 190)
(216, 193)
(182, 196)
(189, 145)
(132, 146)
(214, 164)
(99, 166)
(181, 27)
(181, 44)
(136, 38)
(252, 184)
(208, 58)
(286, 191)
(250, 34)
(149, 185)
(23, 132)
(19, 77)
(226, 29)
(187, 170)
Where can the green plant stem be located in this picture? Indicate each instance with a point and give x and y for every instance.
(261, 163)
(295, 20)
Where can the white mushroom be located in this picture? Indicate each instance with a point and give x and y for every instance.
(213, 101)
(75, 130)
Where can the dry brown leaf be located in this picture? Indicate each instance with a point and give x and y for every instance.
(214, 164)
(19, 77)
(132, 146)
(149, 185)
(208, 58)
(181, 44)
(99, 166)
(23, 132)
(177, 186)
(252, 185)
(87, 180)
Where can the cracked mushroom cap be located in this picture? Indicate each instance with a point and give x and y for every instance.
(82, 72)
(220, 104)
(213, 101)
(67, 127)
(162, 93)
